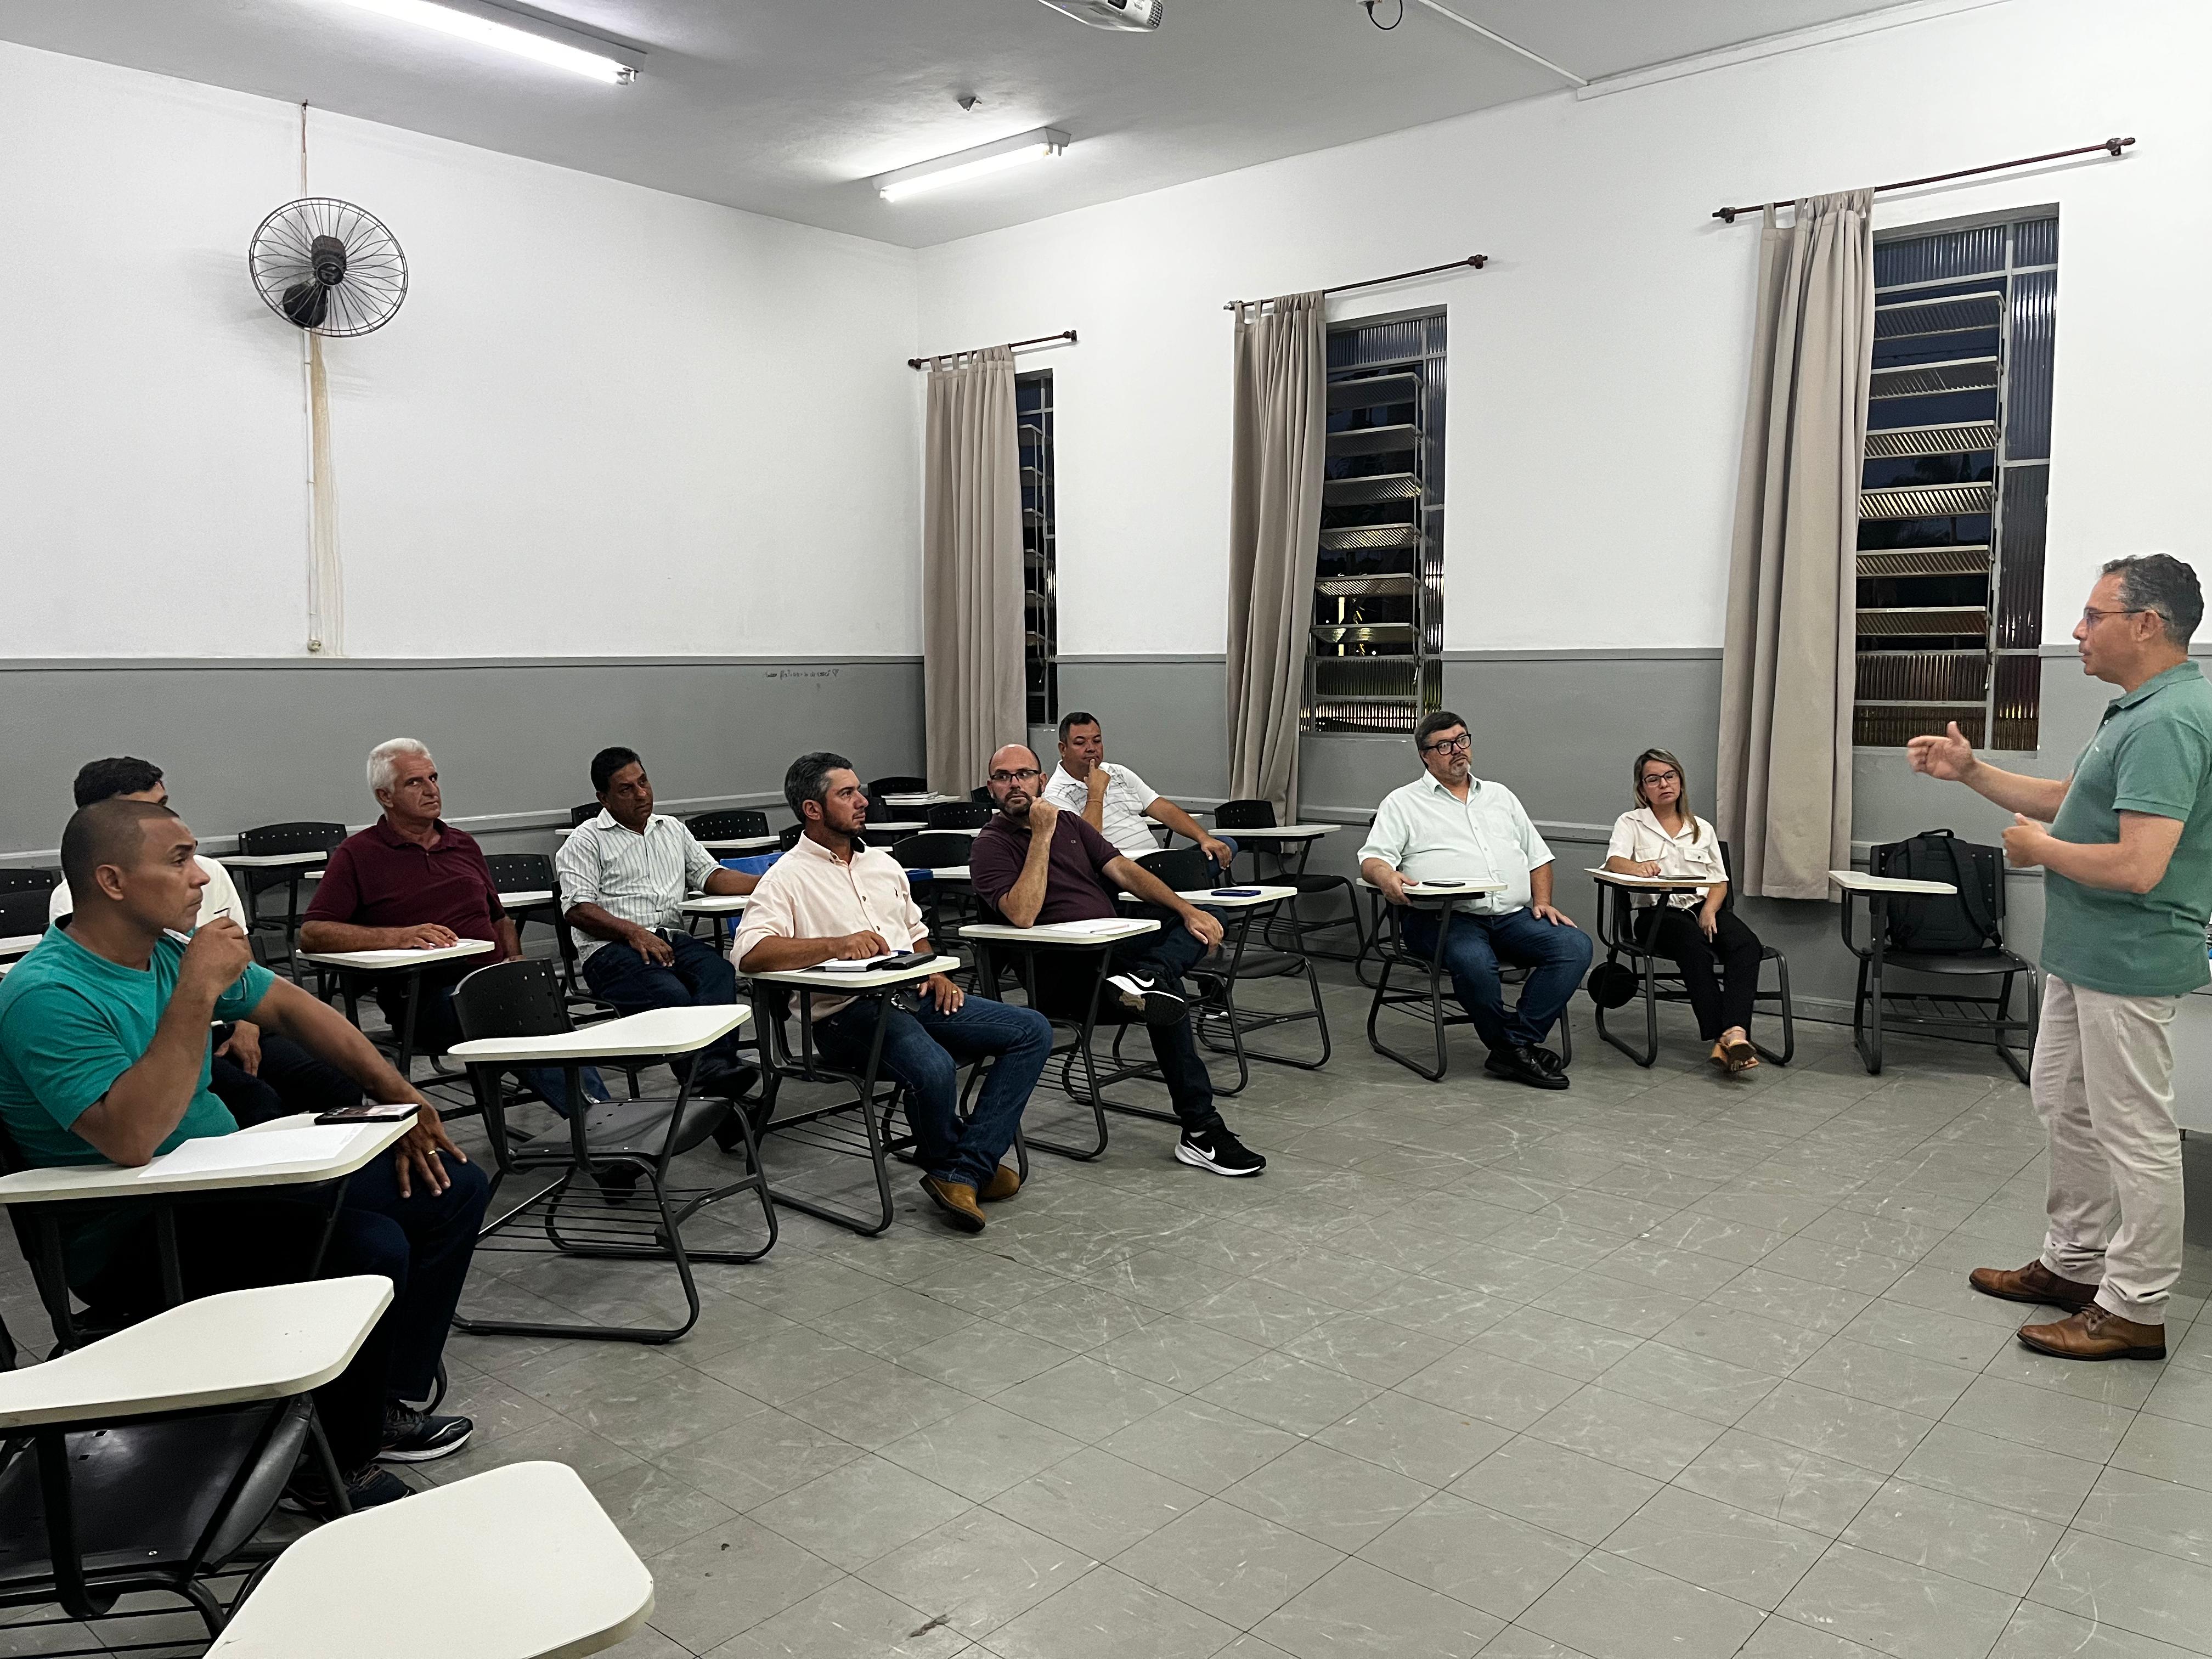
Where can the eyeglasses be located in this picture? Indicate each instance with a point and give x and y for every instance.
(1652, 778)
(2091, 616)
(1027, 775)
(1460, 745)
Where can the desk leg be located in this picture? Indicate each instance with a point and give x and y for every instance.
(1866, 1010)
(866, 1103)
(173, 1268)
(406, 1065)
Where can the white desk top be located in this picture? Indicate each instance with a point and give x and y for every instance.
(1858, 881)
(374, 961)
(911, 800)
(1650, 884)
(527, 898)
(819, 979)
(1104, 930)
(924, 829)
(895, 826)
(1416, 893)
(655, 1031)
(267, 1343)
(520, 1563)
(739, 843)
(950, 873)
(715, 904)
(1227, 898)
(305, 1153)
(19, 943)
(270, 861)
(1283, 831)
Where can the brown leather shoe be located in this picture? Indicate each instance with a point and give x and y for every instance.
(2096, 1333)
(1004, 1183)
(2033, 1282)
(958, 1200)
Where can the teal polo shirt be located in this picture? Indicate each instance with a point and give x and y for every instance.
(2152, 753)
(71, 1022)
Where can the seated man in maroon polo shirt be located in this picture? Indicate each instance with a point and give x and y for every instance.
(411, 881)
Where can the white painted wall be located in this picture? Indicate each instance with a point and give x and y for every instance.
(606, 421)
(1597, 366)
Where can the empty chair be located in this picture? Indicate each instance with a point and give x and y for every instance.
(734, 824)
(960, 815)
(899, 786)
(1290, 857)
(273, 840)
(583, 814)
(23, 912)
(29, 881)
(983, 791)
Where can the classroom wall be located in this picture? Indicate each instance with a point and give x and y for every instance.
(606, 421)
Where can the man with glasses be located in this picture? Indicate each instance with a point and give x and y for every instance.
(2125, 844)
(1034, 863)
(1452, 825)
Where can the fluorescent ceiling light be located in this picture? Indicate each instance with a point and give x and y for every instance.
(967, 164)
(524, 41)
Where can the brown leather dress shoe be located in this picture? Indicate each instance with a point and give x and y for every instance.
(1004, 1183)
(958, 1200)
(2033, 1282)
(2096, 1333)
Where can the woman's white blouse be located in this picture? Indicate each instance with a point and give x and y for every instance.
(1695, 854)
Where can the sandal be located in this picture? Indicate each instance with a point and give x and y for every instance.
(1740, 1055)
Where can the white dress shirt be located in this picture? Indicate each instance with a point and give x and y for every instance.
(1695, 854)
(1121, 814)
(639, 879)
(1423, 830)
(218, 898)
(812, 893)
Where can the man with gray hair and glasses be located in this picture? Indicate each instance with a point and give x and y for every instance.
(2125, 844)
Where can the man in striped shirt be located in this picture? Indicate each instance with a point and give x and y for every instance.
(623, 877)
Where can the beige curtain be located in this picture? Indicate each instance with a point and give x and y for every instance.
(1785, 788)
(971, 585)
(1274, 538)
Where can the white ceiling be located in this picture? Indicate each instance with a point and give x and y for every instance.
(789, 106)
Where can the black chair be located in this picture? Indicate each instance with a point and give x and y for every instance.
(583, 814)
(271, 840)
(1390, 952)
(941, 902)
(961, 815)
(788, 838)
(23, 912)
(981, 792)
(734, 824)
(29, 881)
(1220, 1024)
(577, 1214)
(1658, 980)
(899, 786)
(1289, 859)
(1901, 931)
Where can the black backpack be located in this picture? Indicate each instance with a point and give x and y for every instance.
(1944, 926)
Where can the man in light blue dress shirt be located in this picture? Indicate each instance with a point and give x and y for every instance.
(1450, 824)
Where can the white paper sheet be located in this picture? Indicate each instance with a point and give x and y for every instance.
(220, 1154)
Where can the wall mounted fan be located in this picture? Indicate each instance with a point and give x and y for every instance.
(328, 266)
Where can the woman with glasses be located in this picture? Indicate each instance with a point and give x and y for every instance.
(1663, 837)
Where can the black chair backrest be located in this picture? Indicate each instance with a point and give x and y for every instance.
(788, 838)
(1244, 815)
(29, 881)
(899, 786)
(960, 815)
(520, 872)
(23, 913)
(511, 999)
(304, 837)
(934, 850)
(981, 792)
(737, 822)
(881, 811)
(1944, 925)
(1185, 869)
(583, 814)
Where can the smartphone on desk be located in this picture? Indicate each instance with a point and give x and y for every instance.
(370, 1111)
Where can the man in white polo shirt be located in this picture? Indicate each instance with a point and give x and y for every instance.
(1452, 824)
(623, 877)
(1118, 804)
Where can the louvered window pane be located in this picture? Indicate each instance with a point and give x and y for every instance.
(1040, 571)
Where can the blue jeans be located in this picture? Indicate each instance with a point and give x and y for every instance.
(700, 976)
(1556, 957)
(924, 1050)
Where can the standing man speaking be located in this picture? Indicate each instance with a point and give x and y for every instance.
(2128, 857)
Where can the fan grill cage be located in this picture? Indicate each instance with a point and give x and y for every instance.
(375, 279)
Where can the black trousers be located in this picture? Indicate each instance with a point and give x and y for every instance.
(290, 1080)
(1733, 952)
(1064, 982)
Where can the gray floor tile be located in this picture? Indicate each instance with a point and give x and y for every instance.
(1106, 1614)
(1200, 1443)
(852, 1515)
(1554, 1342)
(1097, 1502)
(1356, 1609)
(1999, 1472)
(1078, 1317)
(1683, 1380)
(976, 1571)
(1085, 1399)
(2039, 1417)
(982, 1359)
(2140, 1590)
(2183, 1392)
(1782, 1482)
(1794, 1301)
(783, 1367)
(1289, 1392)
(1502, 1391)
(1873, 1437)
(1372, 1350)
(1750, 1558)
(1228, 1562)
(2039, 1632)
(1177, 1353)
(2126, 1384)
(1515, 1643)
(2169, 1448)
(710, 1588)
(1785, 1638)
(1886, 1376)
(1998, 1549)
(1331, 1496)
(1474, 1555)
(1617, 1303)
(1632, 1433)
(1561, 1490)
(1758, 1343)
(1897, 1607)
(1913, 1330)
(1427, 1443)
(1824, 1261)
(892, 1322)
(981, 1451)
(875, 1406)
(1612, 1608)
(848, 1619)
(2150, 1514)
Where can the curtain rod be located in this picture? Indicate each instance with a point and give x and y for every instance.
(2111, 146)
(1477, 260)
(1066, 334)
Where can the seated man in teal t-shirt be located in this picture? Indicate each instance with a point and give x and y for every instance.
(104, 1055)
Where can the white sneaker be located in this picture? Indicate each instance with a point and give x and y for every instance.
(1141, 996)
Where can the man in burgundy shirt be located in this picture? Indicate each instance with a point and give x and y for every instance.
(411, 881)
(1034, 864)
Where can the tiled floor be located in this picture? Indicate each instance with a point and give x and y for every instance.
(1667, 1364)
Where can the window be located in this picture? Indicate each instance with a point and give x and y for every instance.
(1951, 503)
(1376, 662)
(1040, 578)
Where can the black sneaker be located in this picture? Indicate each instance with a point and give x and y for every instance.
(616, 1181)
(1141, 995)
(1549, 1061)
(367, 1488)
(1522, 1065)
(1217, 1149)
(410, 1436)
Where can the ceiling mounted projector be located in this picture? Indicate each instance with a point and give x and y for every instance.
(1112, 14)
